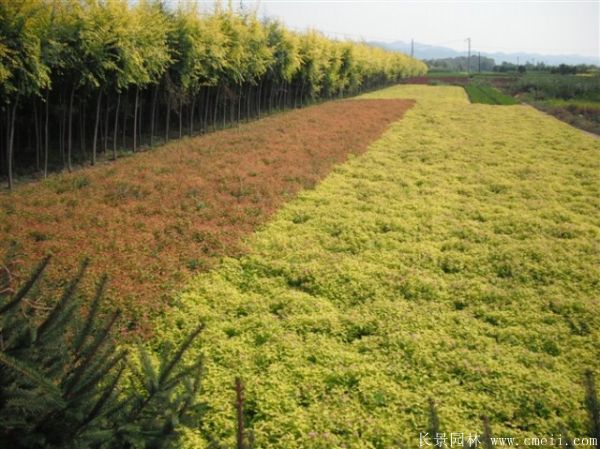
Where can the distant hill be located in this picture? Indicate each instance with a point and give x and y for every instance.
(424, 51)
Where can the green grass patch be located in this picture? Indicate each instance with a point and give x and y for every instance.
(488, 95)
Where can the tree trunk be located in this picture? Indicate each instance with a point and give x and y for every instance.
(140, 121)
(106, 120)
(116, 126)
(6, 138)
(200, 103)
(295, 96)
(214, 123)
(36, 124)
(82, 125)
(135, 124)
(191, 129)
(248, 96)
(271, 96)
(11, 139)
(168, 119)
(94, 145)
(180, 117)
(124, 132)
(224, 109)
(46, 134)
(206, 108)
(260, 97)
(70, 131)
(239, 108)
(62, 127)
(153, 115)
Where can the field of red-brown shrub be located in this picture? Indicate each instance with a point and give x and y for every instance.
(153, 219)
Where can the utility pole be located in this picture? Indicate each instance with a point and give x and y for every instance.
(412, 48)
(479, 62)
(469, 57)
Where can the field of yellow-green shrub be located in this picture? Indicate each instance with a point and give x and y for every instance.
(456, 260)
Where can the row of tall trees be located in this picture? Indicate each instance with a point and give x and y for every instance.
(84, 77)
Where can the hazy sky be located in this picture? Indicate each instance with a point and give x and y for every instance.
(565, 27)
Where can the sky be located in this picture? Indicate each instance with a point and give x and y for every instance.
(546, 27)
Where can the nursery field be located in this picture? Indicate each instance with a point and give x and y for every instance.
(457, 259)
(152, 220)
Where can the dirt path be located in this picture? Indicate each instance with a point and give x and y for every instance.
(152, 220)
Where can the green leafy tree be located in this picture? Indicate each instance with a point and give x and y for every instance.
(99, 51)
(149, 56)
(62, 54)
(199, 57)
(286, 57)
(22, 72)
(67, 66)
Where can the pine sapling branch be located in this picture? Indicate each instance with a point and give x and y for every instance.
(90, 352)
(32, 374)
(22, 292)
(56, 312)
(107, 366)
(87, 327)
(102, 401)
(166, 370)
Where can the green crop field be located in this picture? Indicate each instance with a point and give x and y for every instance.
(550, 86)
(456, 260)
(488, 95)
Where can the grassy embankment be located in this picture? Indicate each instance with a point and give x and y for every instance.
(457, 259)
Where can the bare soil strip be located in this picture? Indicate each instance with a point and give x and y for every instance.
(152, 220)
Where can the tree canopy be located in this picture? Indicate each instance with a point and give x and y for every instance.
(68, 65)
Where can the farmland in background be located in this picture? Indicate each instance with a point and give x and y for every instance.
(574, 99)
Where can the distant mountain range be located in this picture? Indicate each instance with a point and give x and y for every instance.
(424, 51)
